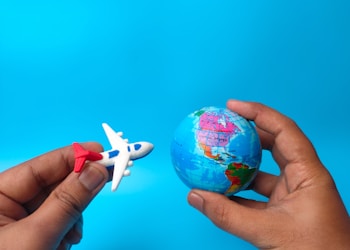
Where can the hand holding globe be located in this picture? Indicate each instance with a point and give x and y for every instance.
(304, 209)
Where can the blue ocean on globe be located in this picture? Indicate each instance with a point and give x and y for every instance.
(217, 150)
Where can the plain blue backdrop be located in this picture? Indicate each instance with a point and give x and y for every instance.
(142, 66)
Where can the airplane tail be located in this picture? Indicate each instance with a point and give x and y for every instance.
(81, 155)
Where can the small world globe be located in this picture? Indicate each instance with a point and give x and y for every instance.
(217, 150)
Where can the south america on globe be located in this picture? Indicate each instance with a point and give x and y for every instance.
(217, 150)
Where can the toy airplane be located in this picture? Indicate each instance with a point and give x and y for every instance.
(120, 156)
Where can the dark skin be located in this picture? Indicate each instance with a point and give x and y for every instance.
(42, 200)
(304, 209)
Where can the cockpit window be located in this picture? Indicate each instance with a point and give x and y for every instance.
(137, 146)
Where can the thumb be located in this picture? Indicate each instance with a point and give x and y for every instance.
(64, 206)
(244, 222)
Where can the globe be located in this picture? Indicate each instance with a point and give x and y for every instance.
(217, 150)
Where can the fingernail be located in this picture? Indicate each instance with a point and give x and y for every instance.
(196, 201)
(91, 178)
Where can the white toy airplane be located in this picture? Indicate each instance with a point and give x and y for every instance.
(120, 156)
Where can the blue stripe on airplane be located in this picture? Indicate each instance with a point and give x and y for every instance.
(113, 153)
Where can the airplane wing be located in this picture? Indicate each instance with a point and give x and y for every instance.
(120, 164)
(122, 161)
(114, 138)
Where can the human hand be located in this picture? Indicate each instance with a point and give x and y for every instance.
(42, 200)
(304, 209)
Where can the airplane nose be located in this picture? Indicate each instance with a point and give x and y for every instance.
(143, 148)
(150, 145)
(147, 147)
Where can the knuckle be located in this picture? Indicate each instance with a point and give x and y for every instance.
(69, 203)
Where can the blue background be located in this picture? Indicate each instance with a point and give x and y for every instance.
(142, 66)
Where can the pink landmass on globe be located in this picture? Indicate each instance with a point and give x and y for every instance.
(215, 131)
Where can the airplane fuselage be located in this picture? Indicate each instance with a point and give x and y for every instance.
(137, 150)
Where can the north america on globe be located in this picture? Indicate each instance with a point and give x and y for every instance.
(217, 150)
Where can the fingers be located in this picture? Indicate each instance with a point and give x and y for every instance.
(62, 209)
(264, 183)
(245, 222)
(11, 209)
(265, 118)
(26, 180)
(75, 234)
(278, 133)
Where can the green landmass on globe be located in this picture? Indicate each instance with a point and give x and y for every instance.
(238, 174)
(215, 149)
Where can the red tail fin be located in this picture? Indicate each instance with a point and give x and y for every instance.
(81, 155)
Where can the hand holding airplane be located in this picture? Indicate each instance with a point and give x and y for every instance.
(120, 156)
